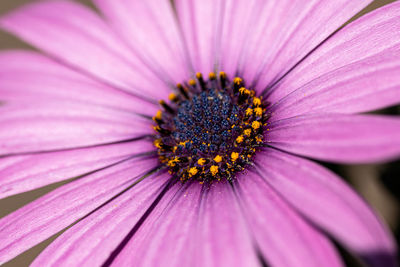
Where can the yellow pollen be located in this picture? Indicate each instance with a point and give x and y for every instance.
(172, 162)
(183, 143)
(258, 111)
(158, 116)
(218, 158)
(249, 112)
(247, 132)
(172, 97)
(258, 139)
(201, 161)
(234, 156)
(237, 80)
(212, 76)
(214, 170)
(257, 101)
(192, 82)
(158, 143)
(198, 75)
(222, 74)
(192, 171)
(239, 139)
(256, 125)
(244, 91)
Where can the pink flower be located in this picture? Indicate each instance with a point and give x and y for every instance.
(83, 109)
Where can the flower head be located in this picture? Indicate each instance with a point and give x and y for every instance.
(184, 129)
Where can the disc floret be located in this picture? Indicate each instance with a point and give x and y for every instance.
(210, 129)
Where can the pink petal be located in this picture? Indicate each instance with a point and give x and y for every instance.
(53, 212)
(282, 236)
(327, 201)
(27, 77)
(237, 19)
(150, 29)
(338, 138)
(358, 87)
(200, 22)
(23, 173)
(166, 238)
(50, 125)
(80, 39)
(92, 240)
(286, 31)
(205, 227)
(370, 36)
(222, 236)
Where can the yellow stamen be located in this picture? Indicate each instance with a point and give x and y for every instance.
(244, 91)
(192, 171)
(258, 111)
(218, 158)
(158, 116)
(158, 143)
(212, 76)
(256, 101)
(172, 97)
(192, 82)
(258, 139)
(239, 139)
(256, 125)
(234, 156)
(247, 132)
(237, 80)
(222, 74)
(249, 112)
(172, 162)
(198, 75)
(201, 161)
(214, 170)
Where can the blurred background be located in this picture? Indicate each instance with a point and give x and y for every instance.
(379, 184)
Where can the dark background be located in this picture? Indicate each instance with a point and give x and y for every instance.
(379, 184)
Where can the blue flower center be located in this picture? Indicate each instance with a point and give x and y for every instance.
(210, 129)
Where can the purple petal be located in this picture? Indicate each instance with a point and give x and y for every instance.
(368, 37)
(283, 32)
(23, 173)
(337, 137)
(328, 202)
(282, 236)
(200, 24)
(203, 226)
(237, 18)
(27, 77)
(92, 240)
(43, 126)
(53, 212)
(223, 238)
(79, 38)
(166, 238)
(150, 29)
(362, 86)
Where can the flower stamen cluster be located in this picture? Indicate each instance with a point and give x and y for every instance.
(210, 129)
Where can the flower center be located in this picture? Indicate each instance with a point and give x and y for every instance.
(210, 129)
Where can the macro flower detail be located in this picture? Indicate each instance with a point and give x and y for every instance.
(186, 131)
(213, 129)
